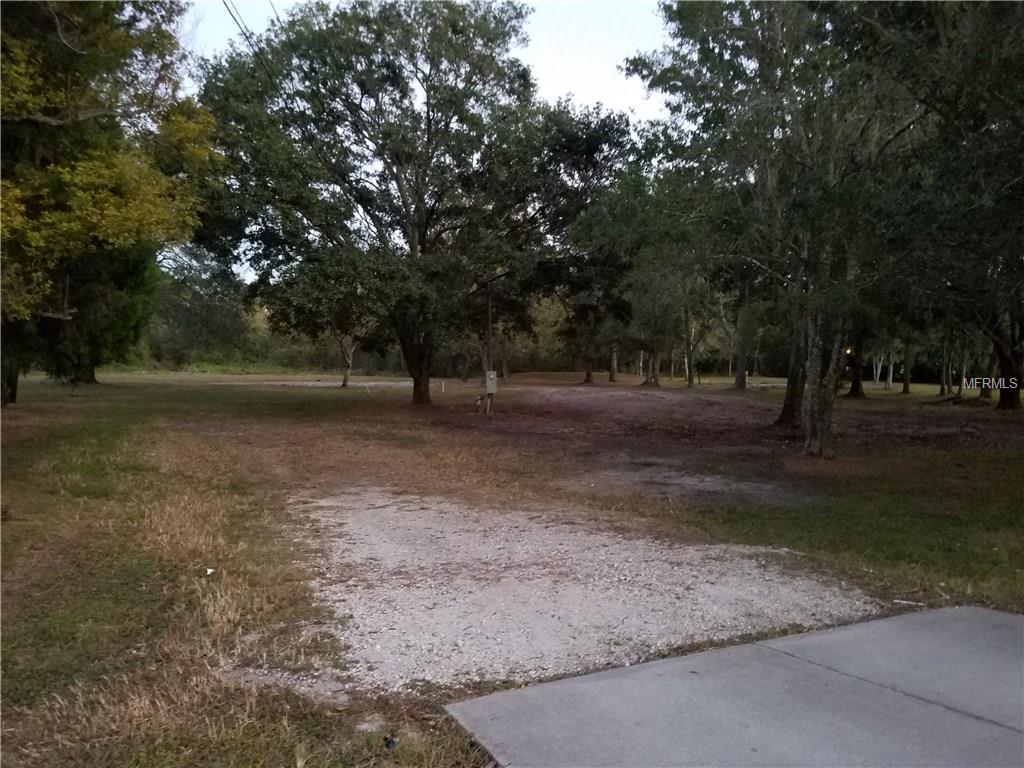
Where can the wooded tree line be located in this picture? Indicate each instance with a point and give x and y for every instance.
(836, 183)
(861, 166)
(100, 163)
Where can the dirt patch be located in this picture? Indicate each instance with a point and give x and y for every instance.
(323, 686)
(429, 590)
(717, 421)
(666, 477)
(360, 384)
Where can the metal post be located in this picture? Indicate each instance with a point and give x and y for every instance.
(490, 360)
(492, 383)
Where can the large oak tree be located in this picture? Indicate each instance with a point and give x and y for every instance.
(399, 142)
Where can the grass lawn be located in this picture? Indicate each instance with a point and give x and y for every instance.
(112, 625)
(146, 540)
(923, 526)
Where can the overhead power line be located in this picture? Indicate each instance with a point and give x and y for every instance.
(311, 141)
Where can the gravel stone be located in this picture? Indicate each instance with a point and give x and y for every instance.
(430, 590)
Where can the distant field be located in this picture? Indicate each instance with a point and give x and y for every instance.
(168, 600)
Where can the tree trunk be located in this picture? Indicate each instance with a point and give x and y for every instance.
(13, 335)
(908, 361)
(656, 369)
(10, 384)
(588, 375)
(795, 378)
(420, 387)
(489, 352)
(740, 380)
(1009, 398)
(84, 374)
(485, 364)
(613, 371)
(822, 372)
(688, 353)
(962, 369)
(944, 368)
(990, 372)
(649, 371)
(742, 321)
(790, 415)
(1011, 372)
(687, 338)
(888, 371)
(417, 347)
(640, 363)
(348, 349)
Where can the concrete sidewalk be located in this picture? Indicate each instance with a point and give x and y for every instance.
(937, 688)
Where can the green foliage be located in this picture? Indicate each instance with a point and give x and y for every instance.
(959, 184)
(112, 295)
(199, 311)
(858, 165)
(204, 319)
(395, 152)
(369, 136)
(99, 162)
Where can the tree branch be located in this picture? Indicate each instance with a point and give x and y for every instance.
(80, 117)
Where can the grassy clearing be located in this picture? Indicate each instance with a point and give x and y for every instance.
(114, 628)
(121, 497)
(922, 524)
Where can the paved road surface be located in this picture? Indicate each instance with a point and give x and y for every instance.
(937, 688)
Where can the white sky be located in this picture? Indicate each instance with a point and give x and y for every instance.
(576, 46)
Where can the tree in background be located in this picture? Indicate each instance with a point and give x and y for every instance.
(962, 179)
(91, 125)
(590, 288)
(113, 299)
(380, 131)
(656, 284)
(788, 137)
(405, 138)
(318, 297)
(199, 310)
(589, 275)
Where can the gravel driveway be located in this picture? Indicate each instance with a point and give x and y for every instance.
(427, 589)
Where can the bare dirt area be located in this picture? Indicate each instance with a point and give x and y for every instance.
(673, 478)
(723, 421)
(363, 383)
(426, 589)
(714, 443)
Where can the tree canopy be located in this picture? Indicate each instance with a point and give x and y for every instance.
(99, 159)
(834, 184)
(401, 144)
